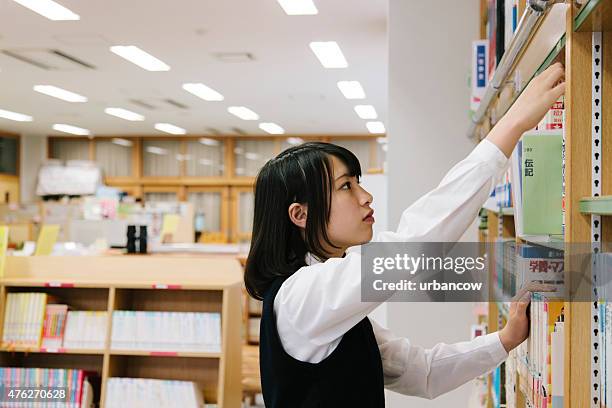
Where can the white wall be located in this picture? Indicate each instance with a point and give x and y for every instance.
(429, 60)
(33, 153)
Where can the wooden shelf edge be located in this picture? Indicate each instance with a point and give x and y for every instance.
(596, 205)
(187, 354)
(59, 350)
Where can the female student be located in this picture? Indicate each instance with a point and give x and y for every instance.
(317, 346)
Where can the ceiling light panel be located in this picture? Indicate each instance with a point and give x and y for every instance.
(329, 54)
(351, 89)
(366, 112)
(298, 7)
(73, 130)
(60, 93)
(170, 128)
(376, 128)
(124, 114)
(243, 113)
(140, 57)
(202, 91)
(271, 128)
(49, 9)
(17, 117)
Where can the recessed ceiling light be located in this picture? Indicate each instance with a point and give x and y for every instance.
(170, 128)
(272, 128)
(376, 128)
(60, 93)
(50, 9)
(243, 113)
(298, 7)
(156, 150)
(124, 114)
(73, 130)
(205, 162)
(351, 89)
(366, 112)
(122, 142)
(203, 91)
(329, 54)
(139, 57)
(209, 142)
(18, 117)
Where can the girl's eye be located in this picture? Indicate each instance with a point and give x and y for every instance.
(346, 186)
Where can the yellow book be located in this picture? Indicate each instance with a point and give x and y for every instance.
(4, 231)
(46, 239)
(170, 225)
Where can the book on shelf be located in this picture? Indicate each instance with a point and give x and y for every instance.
(511, 20)
(480, 72)
(23, 319)
(80, 387)
(85, 330)
(38, 320)
(166, 331)
(143, 392)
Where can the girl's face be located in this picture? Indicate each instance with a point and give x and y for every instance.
(351, 218)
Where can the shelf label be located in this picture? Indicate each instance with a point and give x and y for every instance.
(165, 286)
(59, 285)
(164, 353)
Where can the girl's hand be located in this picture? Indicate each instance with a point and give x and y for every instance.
(529, 109)
(516, 329)
(541, 93)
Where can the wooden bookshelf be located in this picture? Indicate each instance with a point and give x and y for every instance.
(567, 35)
(138, 283)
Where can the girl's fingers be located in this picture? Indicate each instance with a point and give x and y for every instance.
(558, 90)
(557, 72)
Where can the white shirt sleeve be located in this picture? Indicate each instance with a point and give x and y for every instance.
(428, 373)
(322, 301)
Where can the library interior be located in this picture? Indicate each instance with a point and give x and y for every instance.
(145, 145)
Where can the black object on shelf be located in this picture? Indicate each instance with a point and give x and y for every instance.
(142, 240)
(131, 239)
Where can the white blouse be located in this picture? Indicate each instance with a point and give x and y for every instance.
(322, 301)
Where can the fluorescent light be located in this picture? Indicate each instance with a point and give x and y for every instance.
(329, 54)
(209, 142)
(50, 9)
(243, 113)
(170, 128)
(59, 93)
(298, 7)
(122, 142)
(272, 128)
(366, 112)
(204, 92)
(251, 156)
(124, 114)
(351, 89)
(139, 57)
(18, 117)
(156, 150)
(73, 130)
(376, 127)
(294, 141)
(205, 162)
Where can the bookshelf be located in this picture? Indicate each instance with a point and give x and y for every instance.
(580, 35)
(137, 283)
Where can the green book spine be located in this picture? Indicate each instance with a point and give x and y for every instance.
(542, 183)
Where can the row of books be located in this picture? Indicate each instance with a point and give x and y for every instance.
(141, 392)
(502, 22)
(67, 388)
(32, 320)
(517, 264)
(166, 331)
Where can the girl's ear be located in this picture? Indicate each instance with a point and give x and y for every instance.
(298, 214)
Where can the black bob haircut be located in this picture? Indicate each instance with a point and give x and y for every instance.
(301, 174)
